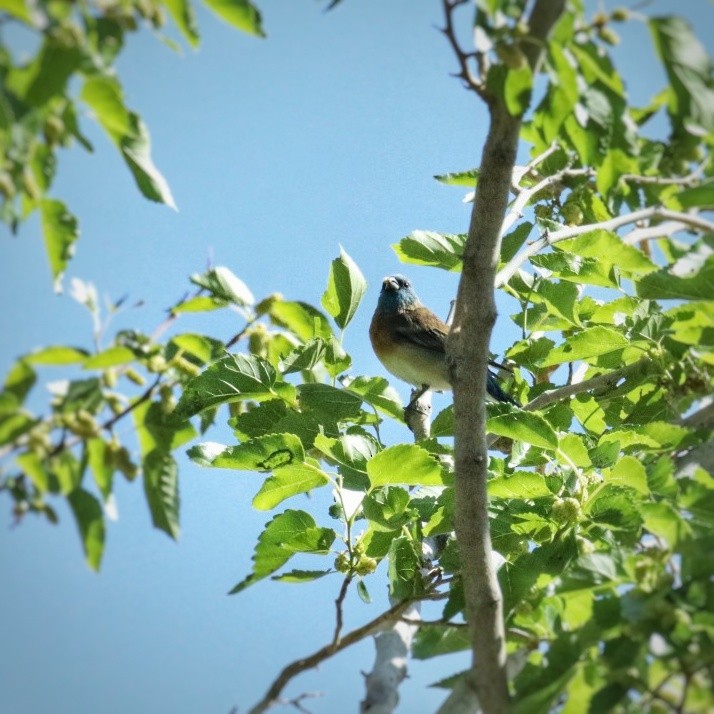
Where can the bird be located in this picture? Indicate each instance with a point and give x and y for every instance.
(410, 341)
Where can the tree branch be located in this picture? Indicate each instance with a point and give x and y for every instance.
(689, 220)
(301, 665)
(609, 379)
(468, 351)
(475, 84)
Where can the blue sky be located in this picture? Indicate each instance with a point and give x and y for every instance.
(277, 151)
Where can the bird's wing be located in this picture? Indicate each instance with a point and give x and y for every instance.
(422, 327)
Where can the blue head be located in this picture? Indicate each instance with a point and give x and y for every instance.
(397, 294)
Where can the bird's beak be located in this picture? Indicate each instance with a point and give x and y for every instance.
(389, 283)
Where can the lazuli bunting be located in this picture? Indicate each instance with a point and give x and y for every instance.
(410, 340)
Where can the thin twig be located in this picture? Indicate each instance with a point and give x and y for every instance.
(338, 605)
(301, 665)
(473, 83)
(609, 379)
(516, 210)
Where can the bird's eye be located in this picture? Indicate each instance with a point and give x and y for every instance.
(406, 284)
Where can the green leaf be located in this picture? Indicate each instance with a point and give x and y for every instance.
(88, 514)
(162, 491)
(20, 380)
(157, 429)
(434, 641)
(333, 403)
(223, 284)
(101, 465)
(524, 426)
(572, 451)
(439, 250)
(60, 231)
(34, 467)
(689, 71)
(664, 521)
(404, 569)
(522, 485)
(386, 508)
(56, 356)
(263, 453)
(617, 507)
(201, 303)
(591, 342)
(406, 464)
(104, 96)
(460, 178)
(16, 8)
(288, 533)
(203, 348)
(301, 576)
(346, 287)
(234, 378)
(629, 471)
(377, 392)
(304, 356)
(302, 319)
(512, 242)
(350, 452)
(182, 14)
(111, 357)
(608, 246)
(697, 197)
(690, 278)
(242, 14)
(288, 481)
(517, 89)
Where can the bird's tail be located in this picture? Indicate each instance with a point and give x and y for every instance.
(495, 391)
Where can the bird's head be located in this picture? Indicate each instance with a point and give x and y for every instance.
(396, 294)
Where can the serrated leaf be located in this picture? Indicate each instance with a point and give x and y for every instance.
(223, 285)
(333, 403)
(439, 250)
(103, 94)
(617, 507)
(288, 533)
(460, 178)
(162, 491)
(90, 520)
(304, 356)
(263, 453)
(524, 426)
(234, 378)
(629, 471)
(522, 485)
(377, 392)
(346, 287)
(405, 464)
(404, 569)
(60, 231)
(288, 481)
(242, 14)
(608, 246)
(301, 319)
(589, 343)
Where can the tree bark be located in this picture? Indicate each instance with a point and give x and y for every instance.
(468, 349)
